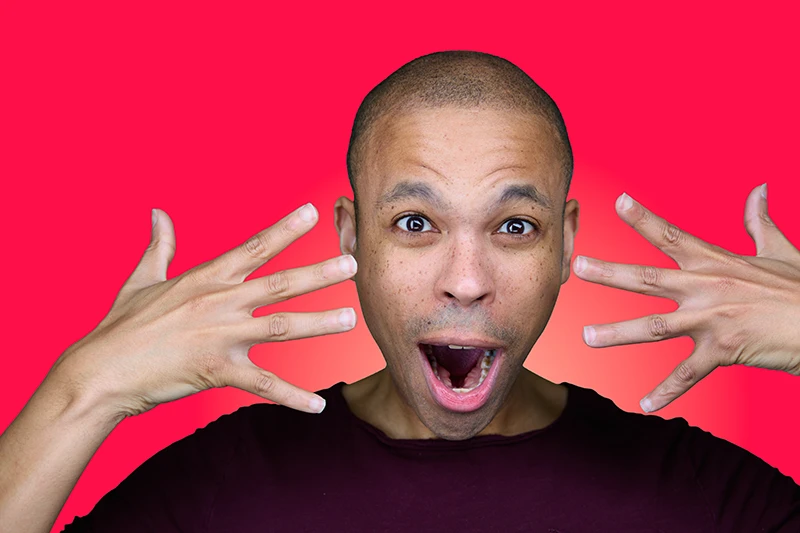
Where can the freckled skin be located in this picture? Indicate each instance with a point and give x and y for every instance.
(466, 272)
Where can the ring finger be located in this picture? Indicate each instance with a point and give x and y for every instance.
(644, 279)
(279, 327)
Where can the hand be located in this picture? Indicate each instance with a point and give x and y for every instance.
(738, 309)
(166, 339)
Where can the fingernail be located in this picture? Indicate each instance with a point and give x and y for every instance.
(589, 335)
(307, 213)
(316, 404)
(580, 264)
(347, 264)
(624, 202)
(764, 190)
(153, 217)
(347, 318)
(646, 405)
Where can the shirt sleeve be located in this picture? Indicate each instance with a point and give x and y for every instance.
(743, 492)
(175, 489)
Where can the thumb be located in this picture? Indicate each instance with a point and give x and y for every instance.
(770, 241)
(152, 267)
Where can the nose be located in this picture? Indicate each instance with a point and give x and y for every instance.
(466, 275)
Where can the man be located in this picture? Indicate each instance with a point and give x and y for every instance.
(460, 167)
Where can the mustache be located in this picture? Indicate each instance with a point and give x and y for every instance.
(454, 318)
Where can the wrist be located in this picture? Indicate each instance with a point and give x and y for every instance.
(72, 394)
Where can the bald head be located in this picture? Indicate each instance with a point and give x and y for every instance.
(457, 78)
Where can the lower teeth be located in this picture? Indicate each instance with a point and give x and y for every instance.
(486, 363)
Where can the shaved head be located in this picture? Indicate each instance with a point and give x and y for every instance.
(456, 78)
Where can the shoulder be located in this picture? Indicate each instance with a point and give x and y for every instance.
(741, 491)
(180, 484)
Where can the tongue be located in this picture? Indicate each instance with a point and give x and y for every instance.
(457, 362)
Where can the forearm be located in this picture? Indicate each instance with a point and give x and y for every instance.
(45, 450)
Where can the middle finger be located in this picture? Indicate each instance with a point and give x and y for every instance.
(286, 284)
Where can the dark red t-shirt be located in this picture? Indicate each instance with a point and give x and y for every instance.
(595, 469)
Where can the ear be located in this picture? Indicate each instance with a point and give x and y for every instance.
(344, 218)
(571, 211)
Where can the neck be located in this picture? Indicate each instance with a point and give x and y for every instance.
(533, 403)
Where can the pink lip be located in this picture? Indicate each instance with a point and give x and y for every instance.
(446, 397)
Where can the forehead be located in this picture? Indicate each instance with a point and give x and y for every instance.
(458, 148)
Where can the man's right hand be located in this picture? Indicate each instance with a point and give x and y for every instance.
(166, 339)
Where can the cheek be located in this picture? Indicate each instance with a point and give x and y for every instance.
(403, 280)
(394, 283)
(529, 287)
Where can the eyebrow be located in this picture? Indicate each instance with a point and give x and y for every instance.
(422, 191)
(523, 192)
(412, 189)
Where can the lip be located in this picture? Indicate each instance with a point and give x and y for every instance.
(446, 397)
(460, 340)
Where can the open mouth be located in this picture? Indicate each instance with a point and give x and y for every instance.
(460, 377)
(461, 368)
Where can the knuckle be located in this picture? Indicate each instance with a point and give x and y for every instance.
(728, 312)
(685, 373)
(735, 261)
(277, 284)
(288, 227)
(198, 303)
(327, 321)
(731, 340)
(257, 246)
(725, 284)
(265, 383)
(212, 367)
(157, 242)
(650, 276)
(278, 326)
(672, 235)
(657, 326)
(764, 219)
(605, 270)
(319, 272)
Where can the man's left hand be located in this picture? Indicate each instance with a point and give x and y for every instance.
(738, 309)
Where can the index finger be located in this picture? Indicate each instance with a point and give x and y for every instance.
(683, 247)
(238, 263)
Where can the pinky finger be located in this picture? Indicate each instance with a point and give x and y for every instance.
(252, 378)
(684, 377)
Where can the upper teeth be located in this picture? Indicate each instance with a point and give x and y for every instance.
(456, 347)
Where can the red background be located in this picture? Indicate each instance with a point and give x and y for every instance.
(230, 115)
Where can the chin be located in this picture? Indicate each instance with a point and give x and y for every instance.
(458, 426)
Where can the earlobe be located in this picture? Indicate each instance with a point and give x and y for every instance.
(345, 222)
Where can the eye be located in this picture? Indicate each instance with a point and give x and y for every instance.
(517, 226)
(414, 223)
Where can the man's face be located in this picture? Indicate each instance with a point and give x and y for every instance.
(459, 264)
